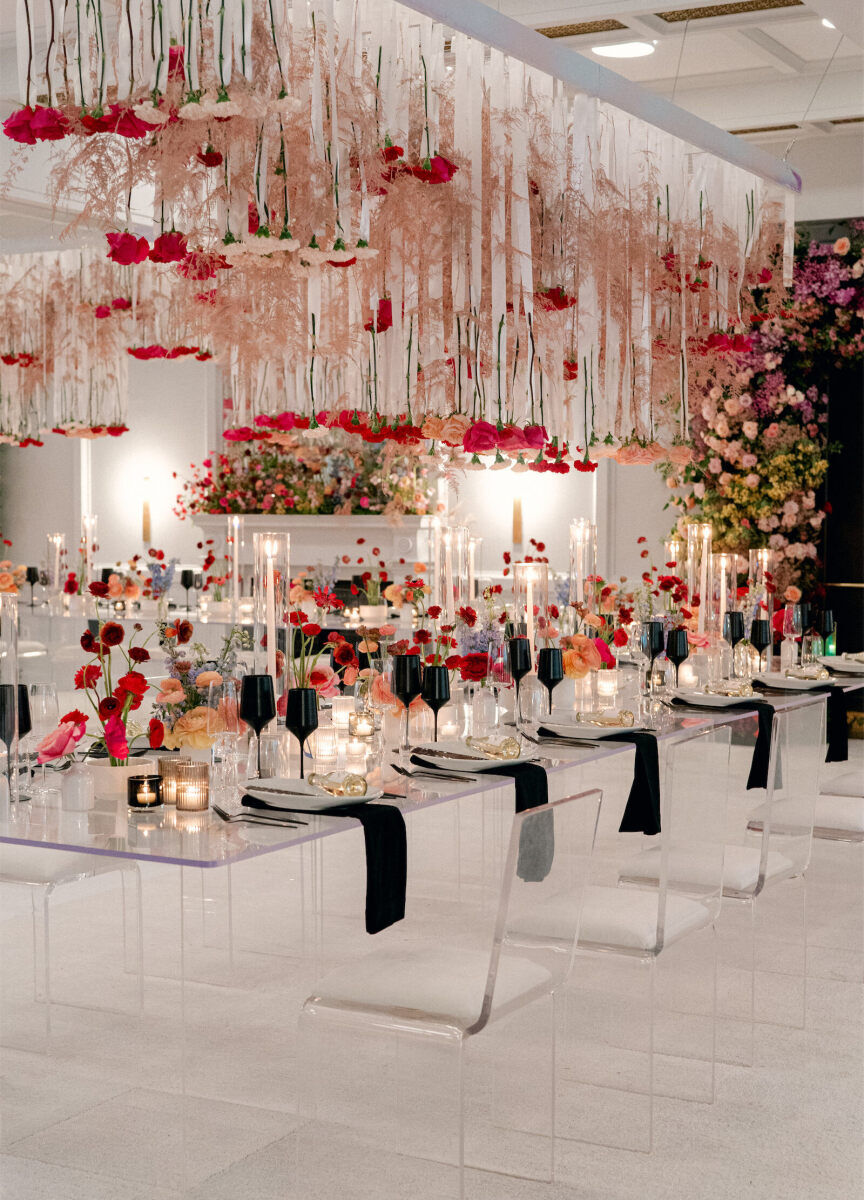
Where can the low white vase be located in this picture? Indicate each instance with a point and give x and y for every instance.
(373, 614)
(110, 780)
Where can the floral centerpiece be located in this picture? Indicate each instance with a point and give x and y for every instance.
(113, 694)
(759, 416)
(181, 704)
(342, 475)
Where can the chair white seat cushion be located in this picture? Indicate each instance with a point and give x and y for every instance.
(700, 866)
(842, 812)
(441, 981)
(850, 784)
(35, 865)
(618, 916)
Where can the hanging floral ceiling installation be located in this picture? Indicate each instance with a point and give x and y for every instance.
(371, 224)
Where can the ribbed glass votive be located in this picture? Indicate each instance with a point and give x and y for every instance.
(193, 787)
(168, 773)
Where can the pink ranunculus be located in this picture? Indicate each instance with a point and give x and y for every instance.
(324, 680)
(481, 438)
(115, 738)
(62, 740)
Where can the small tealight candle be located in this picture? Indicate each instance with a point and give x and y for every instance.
(343, 706)
(361, 724)
(687, 677)
(607, 688)
(144, 791)
(355, 755)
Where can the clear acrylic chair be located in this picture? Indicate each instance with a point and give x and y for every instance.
(637, 1017)
(43, 871)
(397, 1085)
(762, 948)
(840, 809)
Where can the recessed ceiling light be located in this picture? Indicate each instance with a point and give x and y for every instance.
(828, 24)
(624, 50)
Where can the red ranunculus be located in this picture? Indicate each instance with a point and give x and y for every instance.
(132, 682)
(111, 633)
(98, 589)
(139, 654)
(168, 247)
(184, 632)
(619, 637)
(108, 707)
(474, 667)
(155, 733)
(115, 738)
(311, 629)
(126, 249)
(88, 677)
(434, 611)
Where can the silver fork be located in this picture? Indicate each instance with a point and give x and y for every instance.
(432, 773)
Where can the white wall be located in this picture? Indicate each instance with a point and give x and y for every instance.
(832, 174)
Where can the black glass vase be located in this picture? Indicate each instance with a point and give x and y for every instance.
(301, 716)
(407, 685)
(677, 648)
(436, 690)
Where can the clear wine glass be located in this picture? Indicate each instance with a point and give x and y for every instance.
(44, 717)
(224, 727)
(499, 675)
(792, 630)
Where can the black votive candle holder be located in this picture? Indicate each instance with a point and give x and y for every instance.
(144, 792)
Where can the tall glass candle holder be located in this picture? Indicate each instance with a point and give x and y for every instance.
(531, 599)
(272, 583)
(674, 559)
(233, 547)
(55, 561)
(9, 691)
(699, 538)
(724, 588)
(453, 570)
(474, 544)
(760, 580)
(583, 562)
(89, 546)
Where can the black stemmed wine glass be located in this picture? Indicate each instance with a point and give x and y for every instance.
(651, 642)
(806, 615)
(187, 580)
(25, 722)
(436, 690)
(550, 669)
(407, 684)
(257, 705)
(8, 726)
(677, 648)
(301, 716)
(32, 578)
(826, 627)
(733, 632)
(519, 649)
(760, 638)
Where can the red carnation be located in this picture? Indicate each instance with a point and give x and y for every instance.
(168, 248)
(384, 316)
(19, 128)
(126, 249)
(422, 637)
(434, 611)
(88, 677)
(76, 717)
(101, 311)
(121, 302)
(474, 667)
(48, 124)
(468, 616)
(619, 637)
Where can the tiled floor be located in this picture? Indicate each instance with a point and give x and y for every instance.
(99, 1118)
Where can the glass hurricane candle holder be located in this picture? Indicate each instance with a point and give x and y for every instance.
(760, 581)
(89, 546)
(233, 547)
(9, 689)
(699, 540)
(193, 787)
(341, 709)
(583, 562)
(531, 599)
(453, 570)
(168, 774)
(272, 583)
(144, 792)
(723, 589)
(55, 560)
(607, 688)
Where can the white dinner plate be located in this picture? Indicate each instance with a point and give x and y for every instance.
(469, 760)
(843, 666)
(296, 795)
(587, 731)
(710, 699)
(776, 679)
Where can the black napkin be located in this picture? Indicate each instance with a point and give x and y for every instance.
(758, 777)
(837, 729)
(537, 844)
(386, 856)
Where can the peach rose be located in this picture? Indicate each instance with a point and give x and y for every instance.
(206, 678)
(171, 692)
(842, 246)
(7, 582)
(792, 595)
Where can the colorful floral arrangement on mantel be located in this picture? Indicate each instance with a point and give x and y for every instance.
(357, 207)
(761, 448)
(294, 476)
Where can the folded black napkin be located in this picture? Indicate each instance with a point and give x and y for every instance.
(758, 777)
(642, 811)
(386, 856)
(837, 729)
(537, 844)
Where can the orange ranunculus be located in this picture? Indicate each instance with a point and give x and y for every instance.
(171, 692)
(131, 591)
(581, 657)
(593, 620)
(206, 678)
(7, 582)
(393, 593)
(115, 587)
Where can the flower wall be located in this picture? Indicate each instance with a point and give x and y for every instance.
(371, 223)
(760, 416)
